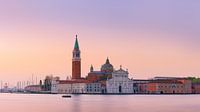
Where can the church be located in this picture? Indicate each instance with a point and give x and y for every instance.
(103, 74)
(106, 80)
(119, 83)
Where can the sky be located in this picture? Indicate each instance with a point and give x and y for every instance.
(147, 37)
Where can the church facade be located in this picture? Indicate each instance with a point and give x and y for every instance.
(119, 83)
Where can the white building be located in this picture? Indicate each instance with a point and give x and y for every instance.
(75, 87)
(93, 88)
(54, 84)
(119, 83)
(68, 87)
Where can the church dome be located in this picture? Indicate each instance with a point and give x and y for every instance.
(107, 67)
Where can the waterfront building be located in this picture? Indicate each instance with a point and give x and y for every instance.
(196, 88)
(54, 85)
(167, 86)
(139, 86)
(48, 82)
(79, 87)
(119, 83)
(61, 87)
(75, 87)
(69, 86)
(93, 88)
(33, 88)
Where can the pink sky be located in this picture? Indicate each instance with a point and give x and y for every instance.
(149, 39)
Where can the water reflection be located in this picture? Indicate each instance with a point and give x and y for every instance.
(99, 103)
(76, 105)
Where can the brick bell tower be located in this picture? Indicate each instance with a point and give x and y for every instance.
(76, 61)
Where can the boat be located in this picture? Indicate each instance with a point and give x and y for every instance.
(66, 96)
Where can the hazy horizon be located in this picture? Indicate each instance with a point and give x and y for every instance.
(149, 38)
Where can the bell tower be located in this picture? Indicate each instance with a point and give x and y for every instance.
(76, 61)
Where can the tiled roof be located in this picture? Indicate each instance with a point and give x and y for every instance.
(99, 73)
(166, 81)
(34, 86)
(73, 81)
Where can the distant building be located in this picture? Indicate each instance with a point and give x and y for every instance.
(33, 88)
(69, 86)
(119, 83)
(75, 87)
(139, 86)
(196, 88)
(5, 89)
(195, 85)
(93, 88)
(103, 74)
(48, 82)
(166, 86)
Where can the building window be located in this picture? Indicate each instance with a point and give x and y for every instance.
(77, 55)
(173, 86)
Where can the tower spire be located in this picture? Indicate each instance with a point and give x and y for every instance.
(91, 68)
(76, 46)
(107, 61)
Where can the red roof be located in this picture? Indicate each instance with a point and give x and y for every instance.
(166, 81)
(73, 81)
(33, 86)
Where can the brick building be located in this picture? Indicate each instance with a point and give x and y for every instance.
(196, 88)
(167, 86)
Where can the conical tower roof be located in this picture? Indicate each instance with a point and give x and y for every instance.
(76, 46)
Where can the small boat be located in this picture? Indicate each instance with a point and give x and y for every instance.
(66, 96)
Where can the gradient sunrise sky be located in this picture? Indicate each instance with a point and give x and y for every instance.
(148, 37)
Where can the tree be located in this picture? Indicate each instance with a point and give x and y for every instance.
(194, 79)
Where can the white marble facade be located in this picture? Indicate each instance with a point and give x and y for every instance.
(119, 83)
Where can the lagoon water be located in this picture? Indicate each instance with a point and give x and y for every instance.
(99, 103)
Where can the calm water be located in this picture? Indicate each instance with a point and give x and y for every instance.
(98, 103)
